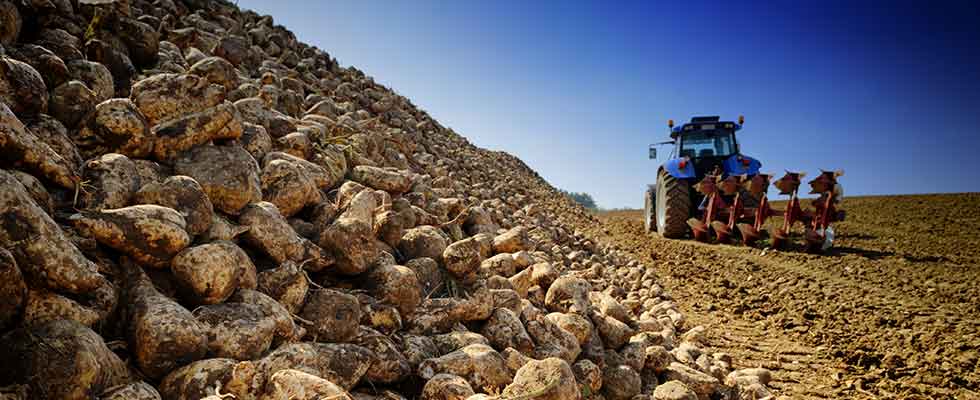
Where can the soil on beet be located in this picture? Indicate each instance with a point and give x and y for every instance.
(893, 311)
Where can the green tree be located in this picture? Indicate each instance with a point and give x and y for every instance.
(582, 198)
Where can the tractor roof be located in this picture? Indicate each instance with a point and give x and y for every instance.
(703, 123)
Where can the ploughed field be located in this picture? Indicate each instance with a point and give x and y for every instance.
(891, 312)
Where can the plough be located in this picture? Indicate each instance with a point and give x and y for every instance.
(722, 217)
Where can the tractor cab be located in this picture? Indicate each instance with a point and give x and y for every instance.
(707, 145)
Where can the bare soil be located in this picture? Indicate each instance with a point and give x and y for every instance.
(893, 311)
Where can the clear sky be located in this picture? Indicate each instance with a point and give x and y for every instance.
(888, 91)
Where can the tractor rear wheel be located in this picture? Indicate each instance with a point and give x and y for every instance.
(673, 206)
(649, 217)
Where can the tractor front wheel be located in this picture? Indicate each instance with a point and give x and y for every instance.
(673, 206)
(649, 218)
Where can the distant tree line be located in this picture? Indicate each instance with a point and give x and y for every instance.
(582, 198)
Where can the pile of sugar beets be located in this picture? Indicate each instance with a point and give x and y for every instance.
(195, 205)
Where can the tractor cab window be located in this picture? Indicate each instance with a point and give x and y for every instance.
(708, 144)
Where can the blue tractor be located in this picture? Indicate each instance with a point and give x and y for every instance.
(705, 146)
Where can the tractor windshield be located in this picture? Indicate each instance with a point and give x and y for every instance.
(708, 144)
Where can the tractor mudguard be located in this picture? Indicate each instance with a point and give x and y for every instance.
(673, 168)
(739, 165)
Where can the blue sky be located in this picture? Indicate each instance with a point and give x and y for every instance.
(888, 91)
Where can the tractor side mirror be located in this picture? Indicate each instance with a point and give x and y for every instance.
(653, 152)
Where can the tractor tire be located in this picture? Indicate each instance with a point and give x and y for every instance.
(673, 206)
(649, 215)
